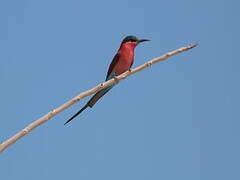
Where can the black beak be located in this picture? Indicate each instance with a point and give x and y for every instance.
(142, 40)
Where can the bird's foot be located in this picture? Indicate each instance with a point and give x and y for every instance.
(116, 79)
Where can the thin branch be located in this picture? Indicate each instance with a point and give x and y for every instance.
(69, 103)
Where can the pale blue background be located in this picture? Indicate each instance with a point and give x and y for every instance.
(178, 120)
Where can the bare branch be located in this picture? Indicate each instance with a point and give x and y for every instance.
(69, 103)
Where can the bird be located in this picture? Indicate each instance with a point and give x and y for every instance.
(122, 62)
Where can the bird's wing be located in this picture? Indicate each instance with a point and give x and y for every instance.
(112, 65)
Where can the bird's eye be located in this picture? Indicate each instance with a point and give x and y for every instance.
(130, 39)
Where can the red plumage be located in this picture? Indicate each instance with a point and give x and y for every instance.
(123, 60)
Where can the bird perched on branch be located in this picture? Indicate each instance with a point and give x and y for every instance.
(121, 63)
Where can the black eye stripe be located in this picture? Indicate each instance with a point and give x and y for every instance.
(130, 39)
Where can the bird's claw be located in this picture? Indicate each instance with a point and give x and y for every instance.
(116, 80)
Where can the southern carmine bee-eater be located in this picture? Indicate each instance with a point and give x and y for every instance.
(121, 62)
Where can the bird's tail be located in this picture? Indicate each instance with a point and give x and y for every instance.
(91, 102)
(75, 115)
(97, 96)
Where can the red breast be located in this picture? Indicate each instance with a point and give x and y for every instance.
(126, 57)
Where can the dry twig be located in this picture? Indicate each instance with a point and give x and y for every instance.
(82, 95)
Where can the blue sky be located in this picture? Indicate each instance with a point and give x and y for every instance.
(176, 120)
